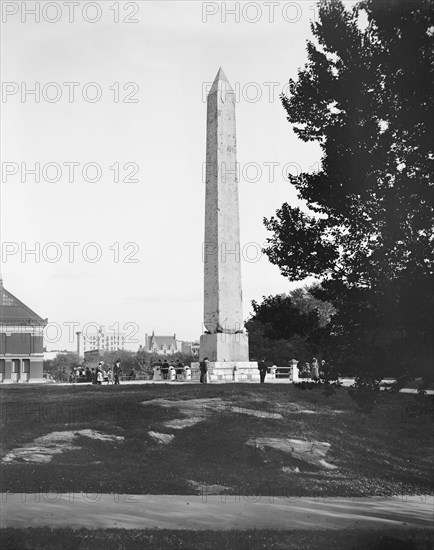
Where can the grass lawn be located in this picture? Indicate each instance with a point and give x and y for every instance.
(118, 539)
(388, 451)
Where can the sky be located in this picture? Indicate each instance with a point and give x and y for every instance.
(121, 152)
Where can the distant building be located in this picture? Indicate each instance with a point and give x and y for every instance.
(102, 340)
(21, 340)
(162, 345)
(190, 348)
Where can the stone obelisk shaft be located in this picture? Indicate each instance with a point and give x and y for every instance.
(223, 307)
(223, 311)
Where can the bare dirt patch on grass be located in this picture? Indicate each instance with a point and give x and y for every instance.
(196, 410)
(44, 448)
(181, 423)
(161, 439)
(294, 407)
(312, 453)
(204, 489)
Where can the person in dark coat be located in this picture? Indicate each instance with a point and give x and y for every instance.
(165, 369)
(262, 367)
(204, 371)
(179, 368)
(117, 371)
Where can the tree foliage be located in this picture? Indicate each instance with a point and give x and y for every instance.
(365, 96)
(289, 326)
(62, 365)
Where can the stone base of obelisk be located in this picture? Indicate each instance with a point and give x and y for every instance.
(228, 356)
(222, 346)
(228, 371)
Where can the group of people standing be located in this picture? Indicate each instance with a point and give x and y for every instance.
(109, 376)
(308, 370)
(100, 374)
(165, 366)
(312, 371)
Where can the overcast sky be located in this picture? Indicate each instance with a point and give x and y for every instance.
(169, 57)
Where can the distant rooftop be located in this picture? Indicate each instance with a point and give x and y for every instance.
(15, 312)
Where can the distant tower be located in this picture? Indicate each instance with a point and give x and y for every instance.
(78, 334)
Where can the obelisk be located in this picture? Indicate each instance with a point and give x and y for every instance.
(225, 342)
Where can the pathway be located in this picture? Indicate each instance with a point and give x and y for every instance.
(92, 511)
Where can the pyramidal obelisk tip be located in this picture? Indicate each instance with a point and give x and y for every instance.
(220, 77)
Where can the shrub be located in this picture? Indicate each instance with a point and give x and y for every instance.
(366, 391)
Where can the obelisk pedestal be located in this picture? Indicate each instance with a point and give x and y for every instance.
(225, 342)
(224, 347)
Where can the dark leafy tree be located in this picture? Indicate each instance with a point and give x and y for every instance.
(289, 326)
(365, 95)
(282, 319)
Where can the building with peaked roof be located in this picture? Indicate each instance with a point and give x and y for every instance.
(163, 345)
(21, 340)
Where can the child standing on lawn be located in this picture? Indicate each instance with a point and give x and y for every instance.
(99, 377)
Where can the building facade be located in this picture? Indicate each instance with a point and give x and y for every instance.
(102, 340)
(21, 341)
(191, 348)
(162, 345)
